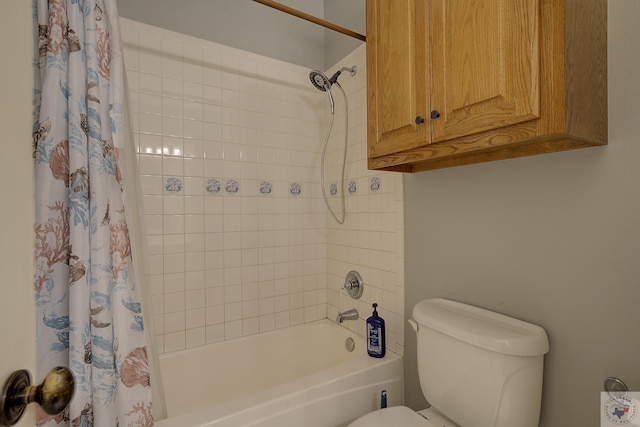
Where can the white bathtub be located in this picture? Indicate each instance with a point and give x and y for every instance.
(299, 376)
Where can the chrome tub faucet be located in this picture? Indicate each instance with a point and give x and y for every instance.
(347, 315)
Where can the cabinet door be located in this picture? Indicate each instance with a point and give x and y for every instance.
(396, 75)
(485, 65)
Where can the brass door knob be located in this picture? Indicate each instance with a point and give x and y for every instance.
(53, 395)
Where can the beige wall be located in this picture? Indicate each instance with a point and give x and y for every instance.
(552, 239)
(244, 25)
(260, 29)
(17, 308)
(350, 14)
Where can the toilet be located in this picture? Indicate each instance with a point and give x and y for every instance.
(477, 368)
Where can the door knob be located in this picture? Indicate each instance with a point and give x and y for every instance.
(53, 395)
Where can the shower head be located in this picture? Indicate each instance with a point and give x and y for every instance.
(322, 82)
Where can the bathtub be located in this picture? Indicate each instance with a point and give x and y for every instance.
(298, 376)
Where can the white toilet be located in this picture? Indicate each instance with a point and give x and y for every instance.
(477, 368)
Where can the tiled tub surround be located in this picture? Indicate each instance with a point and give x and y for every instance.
(371, 240)
(240, 241)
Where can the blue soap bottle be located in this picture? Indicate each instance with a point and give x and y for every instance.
(375, 334)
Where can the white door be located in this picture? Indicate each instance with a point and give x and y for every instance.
(17, 311)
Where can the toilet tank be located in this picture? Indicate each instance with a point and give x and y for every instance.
(477, 367)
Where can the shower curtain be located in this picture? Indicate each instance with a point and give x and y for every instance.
(89, 315)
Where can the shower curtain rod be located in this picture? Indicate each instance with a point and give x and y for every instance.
(311, 18)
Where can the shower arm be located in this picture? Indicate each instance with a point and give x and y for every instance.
(353, 70)
(311, 18)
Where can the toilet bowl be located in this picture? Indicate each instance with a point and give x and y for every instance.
(477, 368)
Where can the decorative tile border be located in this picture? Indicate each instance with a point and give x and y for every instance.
(265, 188)
(213, 186)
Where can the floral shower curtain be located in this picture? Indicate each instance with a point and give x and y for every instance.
(89, 314)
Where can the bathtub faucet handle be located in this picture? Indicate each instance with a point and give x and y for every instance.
(353, 284)
(347, 315)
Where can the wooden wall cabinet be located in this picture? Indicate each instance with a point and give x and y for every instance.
(455, 82)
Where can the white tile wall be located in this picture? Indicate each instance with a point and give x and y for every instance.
(371, 239)
(224, 138)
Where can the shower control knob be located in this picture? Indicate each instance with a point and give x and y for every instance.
(435, 114)
(419, 120)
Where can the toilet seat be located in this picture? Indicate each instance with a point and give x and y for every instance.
(402, 416)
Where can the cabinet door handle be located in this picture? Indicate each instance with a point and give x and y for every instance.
(435, 114)
(419, 120)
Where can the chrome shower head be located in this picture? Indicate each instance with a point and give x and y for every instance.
(322, 82)
(319, 80)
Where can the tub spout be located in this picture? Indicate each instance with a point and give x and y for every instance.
(347, 315)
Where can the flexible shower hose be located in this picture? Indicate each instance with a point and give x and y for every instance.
(344, 160)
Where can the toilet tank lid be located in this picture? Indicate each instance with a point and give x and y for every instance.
(482, 328)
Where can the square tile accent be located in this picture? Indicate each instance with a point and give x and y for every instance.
(173, 185)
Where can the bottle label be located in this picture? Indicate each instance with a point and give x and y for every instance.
(374, 343)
